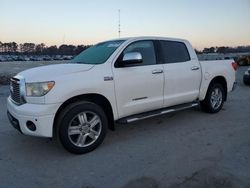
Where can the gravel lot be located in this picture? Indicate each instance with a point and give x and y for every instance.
(189, 149)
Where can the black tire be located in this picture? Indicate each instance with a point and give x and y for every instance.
(246, 79)
(207, 105)
(72, 115)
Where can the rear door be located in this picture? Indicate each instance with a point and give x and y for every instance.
(182, 75)
(139, 87)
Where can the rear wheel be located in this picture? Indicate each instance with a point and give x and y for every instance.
(82, 127)
(214, 100)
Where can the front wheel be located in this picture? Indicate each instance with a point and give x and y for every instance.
(82, 127)
(214, 100)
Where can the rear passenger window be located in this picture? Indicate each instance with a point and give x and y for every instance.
(174, 52)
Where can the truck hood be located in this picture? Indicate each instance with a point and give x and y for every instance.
(51, 72)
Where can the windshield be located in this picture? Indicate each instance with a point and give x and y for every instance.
(98, 53)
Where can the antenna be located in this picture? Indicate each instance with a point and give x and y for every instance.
(119, 23)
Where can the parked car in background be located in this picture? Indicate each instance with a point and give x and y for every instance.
(47, 58)
(1, 58)
(244, 60)
(246, 77)
(57, 57)
(20, 57)
(67, 57)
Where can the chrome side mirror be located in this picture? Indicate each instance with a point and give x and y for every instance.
(132, 58)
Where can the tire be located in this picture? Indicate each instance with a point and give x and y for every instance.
(82, 127)
(214, 99)
(246, 79)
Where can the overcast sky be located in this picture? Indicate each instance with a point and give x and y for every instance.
(204, 23)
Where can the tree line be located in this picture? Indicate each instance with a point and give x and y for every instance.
(40, 49)
(225, 49)
(64, 49)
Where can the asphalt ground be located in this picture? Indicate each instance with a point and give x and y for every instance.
(188, 149)
(9, 69)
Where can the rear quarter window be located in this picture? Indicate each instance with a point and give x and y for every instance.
(174, 52)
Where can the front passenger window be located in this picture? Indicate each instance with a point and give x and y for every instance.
(146, 48)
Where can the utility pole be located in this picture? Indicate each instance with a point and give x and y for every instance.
(119, 23)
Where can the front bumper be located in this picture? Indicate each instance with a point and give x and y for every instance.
(42, 115)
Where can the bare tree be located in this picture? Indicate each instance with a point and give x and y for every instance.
(39, 48)
(1, 49)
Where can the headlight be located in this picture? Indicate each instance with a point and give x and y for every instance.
(38, 89)
(247, 73)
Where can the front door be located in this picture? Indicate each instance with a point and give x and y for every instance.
(139, 88)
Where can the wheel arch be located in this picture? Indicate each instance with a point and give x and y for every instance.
(219, 79)
(98, 99)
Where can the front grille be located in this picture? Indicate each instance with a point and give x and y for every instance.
(15, 90)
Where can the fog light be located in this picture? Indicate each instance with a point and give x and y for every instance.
(31, 126)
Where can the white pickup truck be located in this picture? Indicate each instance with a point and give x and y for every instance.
(122, 81)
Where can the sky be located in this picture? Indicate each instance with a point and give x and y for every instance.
(204, 23)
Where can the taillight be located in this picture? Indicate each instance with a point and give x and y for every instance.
(234, 65)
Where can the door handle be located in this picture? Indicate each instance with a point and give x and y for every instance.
(157, 71)
(195, 68)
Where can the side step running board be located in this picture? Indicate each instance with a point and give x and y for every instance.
(154, 113)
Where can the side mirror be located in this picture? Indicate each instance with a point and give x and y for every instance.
(132, 58)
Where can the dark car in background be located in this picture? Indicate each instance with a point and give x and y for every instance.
(246, 77)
